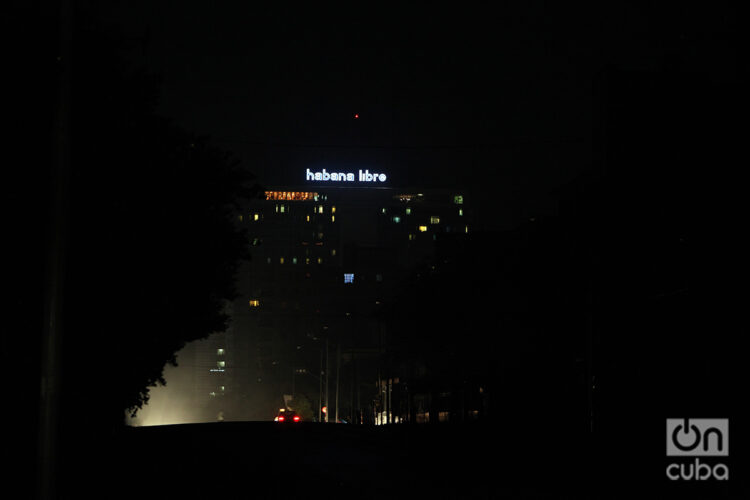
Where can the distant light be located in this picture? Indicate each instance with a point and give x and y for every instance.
(356, 115)
(348, 277)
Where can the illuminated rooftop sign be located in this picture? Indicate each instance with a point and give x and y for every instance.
(361, 176)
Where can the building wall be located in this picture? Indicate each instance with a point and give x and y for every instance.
(294, 293)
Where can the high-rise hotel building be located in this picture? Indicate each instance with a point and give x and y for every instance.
(325, 255)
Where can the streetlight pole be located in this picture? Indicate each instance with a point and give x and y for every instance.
(338, 369)
(327, 379)
(320, 388)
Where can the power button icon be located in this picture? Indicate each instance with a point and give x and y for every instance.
(697, 437)
(687, 432)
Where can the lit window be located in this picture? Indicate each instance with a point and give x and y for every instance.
(466, 229)
(422, 229)
(241, 218)
(434, 219)
(320, 260)
(220, 352)
(382, 210)
(348, 277)
(460, 212)
(281, 260)
(282, 209)
(256, 216)
(333, 252)
(458, 199)
(307, 260)
(294, 260)
(291, 195)
(221, 364)
(320, 209)
(253, 303)
(396, 219)
(333, 218)
(411, 237)
(408, 210)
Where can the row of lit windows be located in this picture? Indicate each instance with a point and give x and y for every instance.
(282, 209)
(423, 229)
(221, 391)
(292, 195)
(457, 199)
(320, 209)
(251, 217)
(434, 219)
(294, 260)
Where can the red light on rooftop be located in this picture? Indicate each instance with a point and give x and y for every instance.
(356, 115)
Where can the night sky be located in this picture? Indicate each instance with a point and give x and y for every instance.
(506, 104)
(501, 102)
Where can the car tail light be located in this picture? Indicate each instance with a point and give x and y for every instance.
(296, 418)
(281, 419)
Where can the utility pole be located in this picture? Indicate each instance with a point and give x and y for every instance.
(51, 355)
(320, 388)
(359, 400)
(338, 369)
(351, 395)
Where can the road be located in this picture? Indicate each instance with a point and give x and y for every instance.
(270, 460)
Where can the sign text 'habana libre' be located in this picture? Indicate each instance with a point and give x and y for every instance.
(362, 176)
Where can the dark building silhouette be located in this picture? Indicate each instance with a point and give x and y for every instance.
(324, 260)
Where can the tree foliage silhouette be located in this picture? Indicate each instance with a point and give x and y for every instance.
(153, 246)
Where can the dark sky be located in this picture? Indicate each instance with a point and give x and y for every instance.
(498, 101)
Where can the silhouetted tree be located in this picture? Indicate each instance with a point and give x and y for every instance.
(153, 248)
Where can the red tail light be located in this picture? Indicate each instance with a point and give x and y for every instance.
(296, 418)
(281, 419)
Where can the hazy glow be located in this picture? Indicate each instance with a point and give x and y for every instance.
(170, 404)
